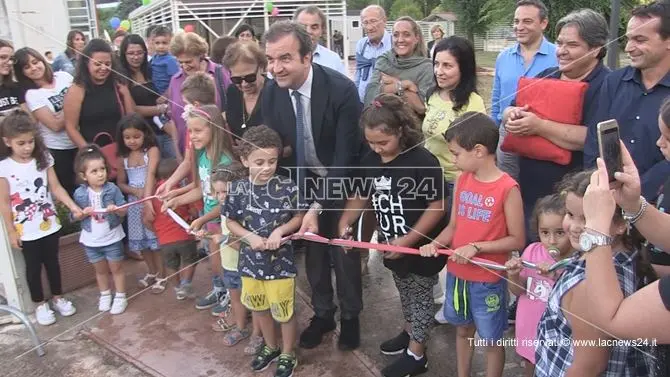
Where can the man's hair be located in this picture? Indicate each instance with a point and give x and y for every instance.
(473, 128)
(259, 137)
(380, 10)
(314, 10)
(283, 28)
(161, 31)
(199, 87)
(660, 9)
(544, 13)
(591, 26)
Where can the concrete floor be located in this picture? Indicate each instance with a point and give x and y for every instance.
(159, 336)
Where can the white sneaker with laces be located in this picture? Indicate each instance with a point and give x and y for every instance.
(105, 303)
(45, 316)
(119, 305)
(64, 307)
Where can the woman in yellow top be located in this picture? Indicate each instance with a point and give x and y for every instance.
(455, 93)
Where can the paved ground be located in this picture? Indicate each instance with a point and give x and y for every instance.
(159, 336)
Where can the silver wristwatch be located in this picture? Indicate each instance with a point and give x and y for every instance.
(590, 239)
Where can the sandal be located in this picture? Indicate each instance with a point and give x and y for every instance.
(221, 325)
(147, 281)
(235, 336)
(254, 346)
(159, 286)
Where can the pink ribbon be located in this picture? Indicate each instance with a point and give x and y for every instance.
(104, 210)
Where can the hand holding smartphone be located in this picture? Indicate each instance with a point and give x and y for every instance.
(610, 147)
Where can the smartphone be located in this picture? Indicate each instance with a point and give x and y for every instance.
(610, 147)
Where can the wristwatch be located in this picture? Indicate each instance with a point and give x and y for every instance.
(590, 239)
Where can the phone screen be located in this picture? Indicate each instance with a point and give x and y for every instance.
(611, 151)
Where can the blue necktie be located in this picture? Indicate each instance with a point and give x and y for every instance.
(299, 140)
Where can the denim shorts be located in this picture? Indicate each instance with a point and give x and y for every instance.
(112, 253)
(232, 279)
(165, 145)
(484, 304)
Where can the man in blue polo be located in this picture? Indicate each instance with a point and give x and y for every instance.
(532, 54)
(633, 96)
(376, 42)
(314, 21)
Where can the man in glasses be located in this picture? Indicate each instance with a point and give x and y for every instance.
(314, 21)
(376, 42)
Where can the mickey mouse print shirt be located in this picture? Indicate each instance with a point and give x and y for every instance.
(33, 211)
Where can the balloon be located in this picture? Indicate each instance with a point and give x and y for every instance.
(146, 2)
(189, 28)
(125, 24)
(269, 6)
(114, 22)
(275, 12)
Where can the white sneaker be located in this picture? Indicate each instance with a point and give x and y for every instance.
(64, 307)
(105, 303)
(119, 306)
(439, 316)
(45, 316)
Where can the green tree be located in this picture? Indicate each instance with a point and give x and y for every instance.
(127, 6)
(104, 15)
(405, 8)
(474, 16)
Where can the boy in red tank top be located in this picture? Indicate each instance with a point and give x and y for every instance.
(486, 222)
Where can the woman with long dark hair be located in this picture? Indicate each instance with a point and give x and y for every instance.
(454, 94)
(11, 96)
(67, 60)
(134, 59)
(99, 97)
(44, 93)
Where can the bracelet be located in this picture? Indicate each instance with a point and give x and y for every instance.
(632, 219)
(477, 248)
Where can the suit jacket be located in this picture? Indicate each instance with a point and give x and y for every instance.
(335, 110)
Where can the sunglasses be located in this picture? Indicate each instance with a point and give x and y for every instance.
(251, 78)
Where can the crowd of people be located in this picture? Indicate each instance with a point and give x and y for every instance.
(244, 141)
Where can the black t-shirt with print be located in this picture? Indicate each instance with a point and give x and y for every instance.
(400, 191)
(11, 96)
(657, 255)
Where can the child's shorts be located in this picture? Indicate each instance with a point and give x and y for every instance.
(484, 304)
(276, 295)
(111, 253)
(181, 253)
(213, 227)
(232, 279)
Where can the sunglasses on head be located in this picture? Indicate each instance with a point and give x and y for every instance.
(250, 78)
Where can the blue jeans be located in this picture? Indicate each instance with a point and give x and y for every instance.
(232, 279)
(166, 146)
(112, 253)
(484, 304)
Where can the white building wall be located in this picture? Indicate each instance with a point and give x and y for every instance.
(40, 24)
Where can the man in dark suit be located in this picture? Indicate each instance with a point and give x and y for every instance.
(316, 111)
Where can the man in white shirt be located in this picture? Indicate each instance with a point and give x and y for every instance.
(314, 21)
(376, 42)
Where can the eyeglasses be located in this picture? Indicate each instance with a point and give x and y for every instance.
(9, 58)
(250, 78)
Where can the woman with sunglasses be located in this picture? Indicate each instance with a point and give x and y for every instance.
(247, 64)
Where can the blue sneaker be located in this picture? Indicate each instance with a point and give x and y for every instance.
(212, 298)
(222, 306)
